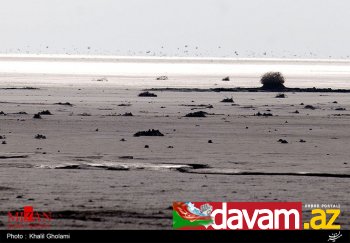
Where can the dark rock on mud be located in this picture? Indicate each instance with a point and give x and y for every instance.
(227, 100)
(45, 113)
(37, 116)
(147, 94)
(40, 136)
(150, 132)
(263, 114)
(127, 114)
(310, 107)
(65, 103)
(280, 96)
(197, 114)
(283, 141)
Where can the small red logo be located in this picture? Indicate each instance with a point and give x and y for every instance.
(29, 219)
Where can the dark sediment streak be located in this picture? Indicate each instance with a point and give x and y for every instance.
(308, 174)
(240, 89)
(13, 156)
(20, 88)
(86, 166)
(5, 188)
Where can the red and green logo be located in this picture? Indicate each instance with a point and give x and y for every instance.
(187, 216)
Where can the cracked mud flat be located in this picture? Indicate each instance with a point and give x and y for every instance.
(92, 173)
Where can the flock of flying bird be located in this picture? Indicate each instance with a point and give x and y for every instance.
(186, 50)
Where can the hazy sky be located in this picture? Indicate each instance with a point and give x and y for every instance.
(305, 28)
